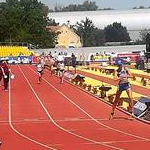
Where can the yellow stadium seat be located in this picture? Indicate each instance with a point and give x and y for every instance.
(14, 51)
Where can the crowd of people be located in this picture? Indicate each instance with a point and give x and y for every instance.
(52, 65)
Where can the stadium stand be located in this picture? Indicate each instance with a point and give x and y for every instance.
(6, 51)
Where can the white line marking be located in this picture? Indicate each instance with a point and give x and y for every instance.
(136, 136)
(16, 131)
(132, 135)
(74, 134)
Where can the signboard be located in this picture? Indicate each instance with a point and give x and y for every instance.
(102, 58)
(34, 59)
(141, 106)
(98, 57)
(21, 59)
(133, 57)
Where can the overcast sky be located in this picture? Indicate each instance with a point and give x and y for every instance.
(116, 4)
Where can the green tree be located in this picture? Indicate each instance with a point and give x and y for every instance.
(90, 35)
(9, 19)
(52, 22)
(143, 35)
(97, 37)
(86, 6)
(90, 5)
(84, 30)
(116, 33)
(25, 21)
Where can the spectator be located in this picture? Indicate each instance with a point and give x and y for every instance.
(1, 73)
(6, 73)
(73, 60)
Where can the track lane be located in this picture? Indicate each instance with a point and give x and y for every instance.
(67, 139)
(69, 121)
(127, 127)
(58, 84)
(23, 111)
(11, 140)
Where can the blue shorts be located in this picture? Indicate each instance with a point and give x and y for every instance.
(123, 86)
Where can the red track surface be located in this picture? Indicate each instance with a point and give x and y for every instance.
(62, 117)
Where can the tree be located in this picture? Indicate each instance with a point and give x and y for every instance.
(84, 30)
(90, 35)
(89, 5)
(143, 35)
(25, 21)
(86, 6)
(52, 22)
(116, 33)
(97, 37)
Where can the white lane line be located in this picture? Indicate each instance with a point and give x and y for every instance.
(16, 131)
(111, 128)
(49, 116)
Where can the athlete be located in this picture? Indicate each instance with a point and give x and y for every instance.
(61, 71)
(40, 72)
(122, 75)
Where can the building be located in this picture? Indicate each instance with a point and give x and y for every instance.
(134, 20)
(67, 38)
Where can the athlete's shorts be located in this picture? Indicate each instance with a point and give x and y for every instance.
(123, 86)
(61, 70)
(40, 73)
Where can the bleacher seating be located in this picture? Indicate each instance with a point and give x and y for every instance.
(6, 51)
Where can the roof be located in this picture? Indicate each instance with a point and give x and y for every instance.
(53, 28)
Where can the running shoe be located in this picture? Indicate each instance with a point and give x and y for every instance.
(111, 115)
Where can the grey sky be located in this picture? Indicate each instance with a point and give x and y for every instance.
(116, 4)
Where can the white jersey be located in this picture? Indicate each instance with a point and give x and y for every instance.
(39, 67)
(61, 66)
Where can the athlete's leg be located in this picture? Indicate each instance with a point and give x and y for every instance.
(129, 93)
(117, 97)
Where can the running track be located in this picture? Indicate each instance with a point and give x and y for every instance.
(61, 117)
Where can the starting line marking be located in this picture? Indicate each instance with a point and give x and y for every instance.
(37, 120)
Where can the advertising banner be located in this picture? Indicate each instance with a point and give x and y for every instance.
(20, 59)
(133, 57)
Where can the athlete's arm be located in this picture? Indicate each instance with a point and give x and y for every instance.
(129, 74)
(116, 78)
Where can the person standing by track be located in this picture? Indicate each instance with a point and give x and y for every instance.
(6, 73)
(1, 72)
